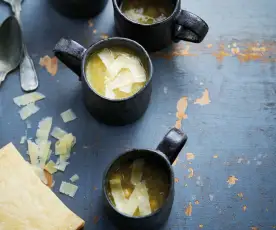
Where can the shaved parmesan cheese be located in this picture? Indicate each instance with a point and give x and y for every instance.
(50, 167)
(109, 92)
(68, 189)
(40, 173)
(74, 178)
(118, 194)
(65, 144)
(23, 139)
(126, 89)
(61, 165)
(58, 133)
(28, 110)
(139, 198)
(44, 152)
(137, 171)
(44, 128)
(28, 98)
(121, 62)
(68, 116)
(33, 152)
(106, 57)
(124, 78)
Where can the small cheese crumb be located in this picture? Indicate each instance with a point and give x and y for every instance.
(28, 98)
(74, 178)
(61, 165)
(23, 140)
(28, 110)
(68, 116)
(68, 189)
(44, 128)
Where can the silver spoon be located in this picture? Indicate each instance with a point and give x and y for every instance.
(11, 50)
(28, 76)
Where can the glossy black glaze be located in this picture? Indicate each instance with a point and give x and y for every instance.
(112, 112)
(181, 25)
(174, 138)
(79, 8)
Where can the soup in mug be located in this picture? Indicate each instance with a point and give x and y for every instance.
(115, 73)
(137, 188)
(147, 11)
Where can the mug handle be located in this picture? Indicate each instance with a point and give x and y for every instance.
(71, 54)
(172, 143)
(190, 27)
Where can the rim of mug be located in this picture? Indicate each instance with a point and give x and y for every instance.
(127, 40)
(104, 187)
(148, 25)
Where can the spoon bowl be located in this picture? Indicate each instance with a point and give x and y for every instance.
(11, 48)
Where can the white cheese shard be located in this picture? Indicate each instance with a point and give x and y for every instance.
(137, 171)
(126, 89)
(33, 152)
(28, 110)
(61, 165)
(139, 198)
(28, 98)
(74, 178)
(68, 116)
(58, 133)
(109, 93)
(68, 189)
(50, 167)
(64, 145)
(44, 128)
(118, 194)
(23, 140)
(106, 57)
(124, 78)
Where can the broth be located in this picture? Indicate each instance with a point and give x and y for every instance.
(147, 11)
(115, 73)
(152, 176)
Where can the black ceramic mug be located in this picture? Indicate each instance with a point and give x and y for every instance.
(164, 156)
(180, 25)
(79, 8)
(109, 111)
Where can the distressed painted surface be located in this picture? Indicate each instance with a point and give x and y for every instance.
(230, 183)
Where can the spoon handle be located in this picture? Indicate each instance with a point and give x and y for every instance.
(28, 76)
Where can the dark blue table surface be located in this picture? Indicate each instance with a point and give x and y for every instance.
(238, 126)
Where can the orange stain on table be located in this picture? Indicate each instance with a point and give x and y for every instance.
(181, 107)
(190, 156)
(49, 178)
(255, 228)
(240, 195)
(204, 100)
(191, 172)
(176, 180)
(209, 46)
(232, 180)
(196, 201)
(221, 54)
(51, 64)
(189, 209)
(244, 208)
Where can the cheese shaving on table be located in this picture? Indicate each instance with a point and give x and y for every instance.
(50, 167)
(33, 152)
(68, 189)
(28, 110)
(58, 133)
(44, 128)
(118, 194)
(137, 171)
(64, 145)
(28, 98)
(23, 140)
(61, 165)
(39, 153)
(74, 178)
(68, 116)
